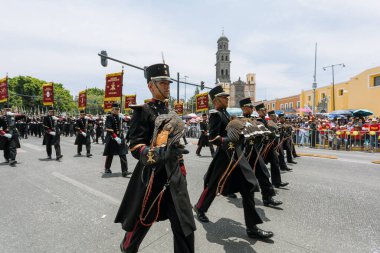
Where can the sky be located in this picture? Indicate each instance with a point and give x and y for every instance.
(275, 39)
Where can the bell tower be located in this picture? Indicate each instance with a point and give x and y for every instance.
(223, 61)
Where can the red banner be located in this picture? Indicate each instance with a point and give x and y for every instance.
(178, 108)
(201, 102)
(82, 100)
(108, 105)
(4, 90)
(48, 94)
(114, 87)
(129, 100)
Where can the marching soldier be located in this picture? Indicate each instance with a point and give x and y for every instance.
(242, 178)
(9, 138)
(272, 155)
(154, 176)
(99, 129)
(115, 141)
(256, 161)
(83, 134)
(203, 139)
(287, 139)
(52, 134)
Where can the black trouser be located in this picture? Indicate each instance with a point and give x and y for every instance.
(258, 165)
(10, 150)
(99, 133)
(123, 162)
(182, 243)
(273, 159)
(287, 146)
(88, 148)
(184, 139)
(281, 158)
(246, 190)
(212, 150)
(57, 148)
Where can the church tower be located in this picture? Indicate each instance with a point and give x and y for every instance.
(223, 62)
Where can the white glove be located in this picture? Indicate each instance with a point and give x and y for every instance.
(8, 136)
(84, 134)
(52, 133)
(118, 140)
(54, 118)
(11, 114)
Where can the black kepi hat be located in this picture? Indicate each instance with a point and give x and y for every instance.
(50, 108)
(116, 106)
(260, 106)
(271, 112)
(217, 91)
(246, 102)
(157, 72)
(81, 111)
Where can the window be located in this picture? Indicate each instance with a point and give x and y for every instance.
(268, 106)
(309, 98)
(291, 105)
(222, 58)
(251, 78)
(298, 104)
(226, 72)
(323, 96)
(226, 58)
(340, 92)
(273, 106)
(286, 106)
(282, 106)
(222, 72)
(376, 81)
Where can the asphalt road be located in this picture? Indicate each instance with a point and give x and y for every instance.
(331, 205)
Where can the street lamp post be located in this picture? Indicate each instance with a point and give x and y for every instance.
(333, 81)
(185, 77)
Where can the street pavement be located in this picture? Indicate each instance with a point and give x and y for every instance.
(330, 205)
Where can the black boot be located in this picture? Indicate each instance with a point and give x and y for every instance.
(258, 233)
(201, 215)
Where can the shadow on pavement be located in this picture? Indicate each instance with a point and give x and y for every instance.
(46, 159)
(110, 175)
(231, 235)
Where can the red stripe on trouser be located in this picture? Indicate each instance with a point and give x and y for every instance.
(128, 237)
(202, 198)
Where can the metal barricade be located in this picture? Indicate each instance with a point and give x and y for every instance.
(355, 140)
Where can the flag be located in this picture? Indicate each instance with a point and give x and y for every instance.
(48, 94)
(114, 87)
(82, 100)
(201, 102)
(4, 90)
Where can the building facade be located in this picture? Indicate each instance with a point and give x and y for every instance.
(359, 92)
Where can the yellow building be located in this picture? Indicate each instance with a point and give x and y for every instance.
(360, 92)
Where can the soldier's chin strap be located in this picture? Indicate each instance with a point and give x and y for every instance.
(159, 90)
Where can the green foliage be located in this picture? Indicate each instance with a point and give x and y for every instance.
(25, 94)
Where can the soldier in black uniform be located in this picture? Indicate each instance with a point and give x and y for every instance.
(99, 129)
(115, 143)
(272, 155)
(9, 138)
(83, 134)
(52, 134)
(256, 161)
(156, 166)
(203, 139)
(242, 179)
(40, 127)
(280, 130)
(287, 138)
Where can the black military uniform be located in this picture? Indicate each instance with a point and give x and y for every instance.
(286, 139)
(9, 137)
(83, 135)
(242, 179)
(175, 203)
(272, 155)
(203, 139)
(115, 143)
(52, 136)
(99, 128)
(254, 148)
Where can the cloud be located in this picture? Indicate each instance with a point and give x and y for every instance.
(59, 41)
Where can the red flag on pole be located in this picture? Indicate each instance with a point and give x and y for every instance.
(201, 101)
(114, 85)
(82, 100)
(48, 94)
(4, 90)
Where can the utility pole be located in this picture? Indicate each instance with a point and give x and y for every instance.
(315, 77)
(333, 80)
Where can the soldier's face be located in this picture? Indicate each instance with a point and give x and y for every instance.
(221, 102)
(160, 89)
(116, 111)
(262, 112)
(247, 110)
(51, 113)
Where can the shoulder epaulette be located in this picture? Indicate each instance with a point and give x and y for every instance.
(213, 111)
(134, 107)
